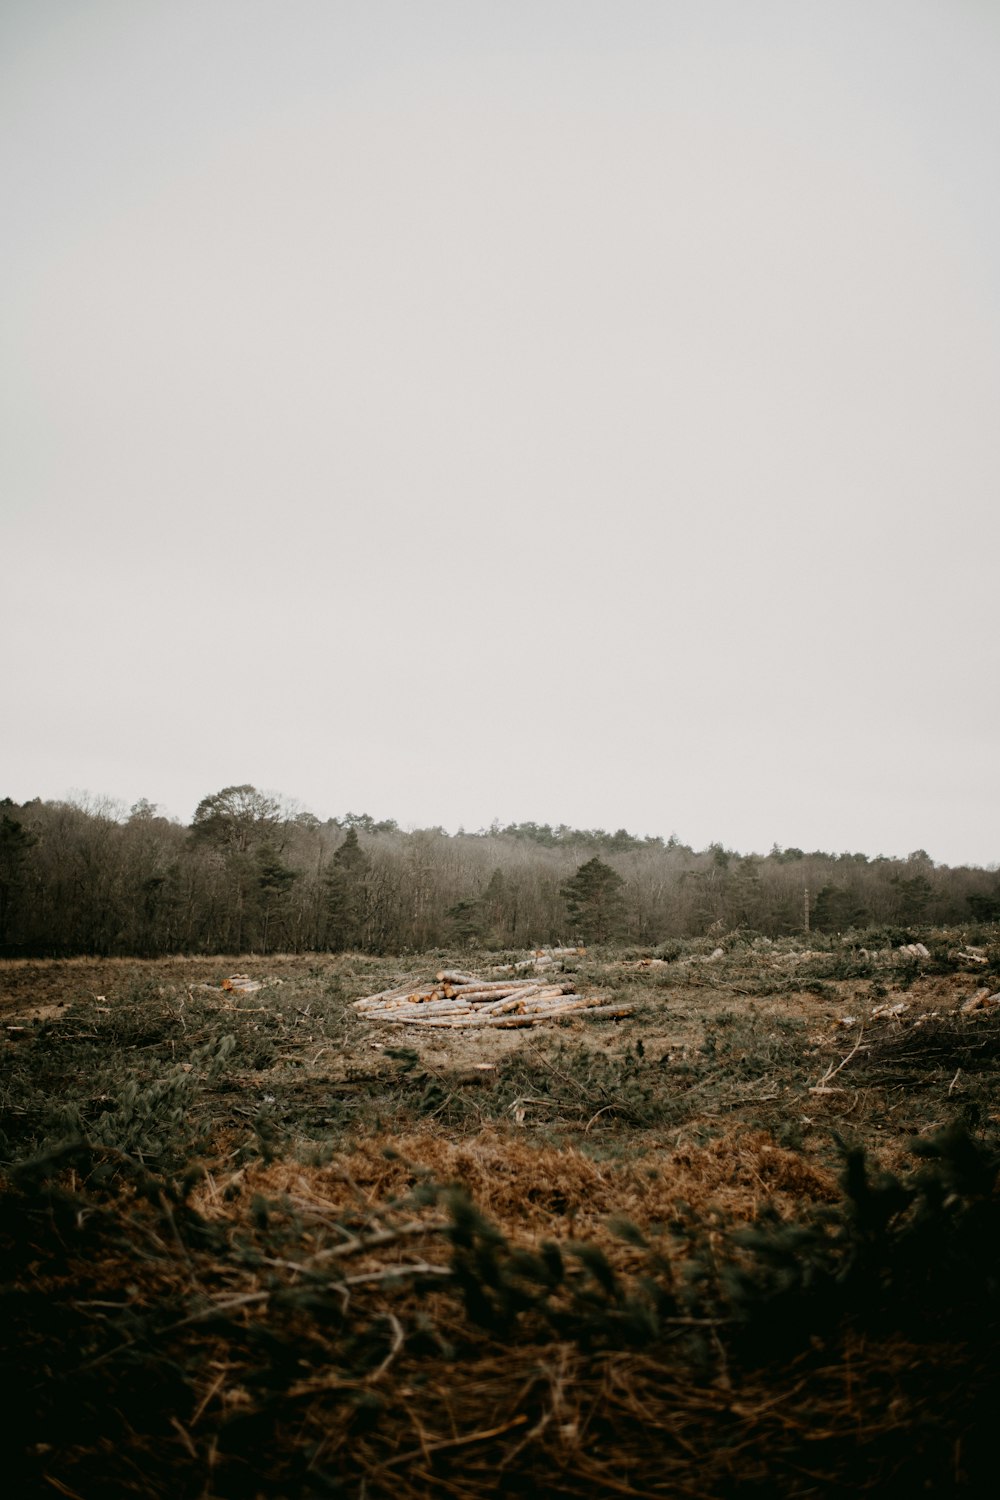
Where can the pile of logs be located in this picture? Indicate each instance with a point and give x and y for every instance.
(241, 984)
(463, 1000)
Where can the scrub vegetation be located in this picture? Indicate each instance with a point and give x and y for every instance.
(743, 1241)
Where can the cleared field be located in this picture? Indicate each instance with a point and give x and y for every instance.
(263, 1244)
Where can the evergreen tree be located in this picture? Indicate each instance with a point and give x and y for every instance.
(915, 893)
(466, 921)
(985, 907)
(837, 909)
(274, 882)
(594, 901)
(344, 894)
(500, 908)
(15, 841)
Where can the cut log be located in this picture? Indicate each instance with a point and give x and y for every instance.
(398, 1001)
(482, 995)
(553, 1007)
(476, 1020)
(427, 1015)
(500, 1007)
(394, 994)
(527, 997)
(486, 985)
(507, 1002)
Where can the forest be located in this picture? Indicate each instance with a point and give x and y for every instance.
(255, 873)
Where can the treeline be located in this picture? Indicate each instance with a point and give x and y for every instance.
(253, 874)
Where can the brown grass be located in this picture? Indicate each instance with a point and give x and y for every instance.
(229, 1347)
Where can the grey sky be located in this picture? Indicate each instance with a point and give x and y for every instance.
(570, 411)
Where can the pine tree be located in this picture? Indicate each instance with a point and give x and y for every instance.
(344, 892)
(466, 921)
(594, 901)
(274, 883)
(837, 909)
(15, 841)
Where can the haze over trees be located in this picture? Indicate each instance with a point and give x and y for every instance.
(253, 873)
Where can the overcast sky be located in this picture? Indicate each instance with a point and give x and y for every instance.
(537, 409)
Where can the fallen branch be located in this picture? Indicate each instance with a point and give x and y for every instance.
(823, 1086)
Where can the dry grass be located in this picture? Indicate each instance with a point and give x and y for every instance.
(353, 1294)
